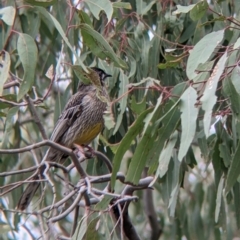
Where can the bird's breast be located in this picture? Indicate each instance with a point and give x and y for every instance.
(88, 134)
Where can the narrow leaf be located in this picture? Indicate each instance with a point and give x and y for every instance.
(188, 120)
(133, 131)
(125, 5)
(108, 118)
(183, 9)
(41, 3)
(199, 10)
(149, 119)
(96, 6)
(209, 99)
(235, 78)
(143, 148)
(4, 69)
(202, 51)
(219, 198)
(173, 200)
(49, 17)
(233, 96)
(237, 44)
(236, 191)
(166, 154)
(123, 101)
(234, 170)
(28, 55)
(99, 46)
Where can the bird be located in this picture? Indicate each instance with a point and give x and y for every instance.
(79, 123)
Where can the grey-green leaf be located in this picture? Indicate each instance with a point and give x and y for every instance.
(96, 6)
(183, 9)
(99, 46)
(202, 51)
(7, 14)
(234, 170)
(219, 198)
(50, 17)
(209, 99)
(125, 5)
(123, 99)
(28, 54)
(166, 154)
(188, 120)
(4, 69)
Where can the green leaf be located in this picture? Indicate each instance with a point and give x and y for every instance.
(166, 154)
(84, 18)
(108, 118)
(81, 229)
(173, 200)
(202, 51)
(136, 107)
(178, 90)
(52, 19)
(41, 3)
(235, 78)
(236, 191)
(96, 6)
(123, 87)
(168, 125)
(225, 153)
(125, 5)
(99, 46)
(237, 44)
(28, 54)
(202, 142)
(7, 14)
(81, 74)
(9, 124)
(219, 198)
(233, 96)
(199, 10)
(139, 159)
(9, 97)
(234, 170)
(149, 120)
(143, 7)
(5, 62)
(183, 9)
(104, 203)
(209, 99)
(188, 120)
(133, 131)
(204, 71)
(91, 233)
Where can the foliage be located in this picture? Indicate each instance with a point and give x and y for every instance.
(174, 114)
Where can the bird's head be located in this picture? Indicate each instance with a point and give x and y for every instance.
(102, 75)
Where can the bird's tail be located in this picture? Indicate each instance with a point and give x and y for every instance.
(28, 194)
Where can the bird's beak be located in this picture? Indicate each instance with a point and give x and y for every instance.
(108, 75)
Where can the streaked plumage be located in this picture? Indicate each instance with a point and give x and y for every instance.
(79, 123)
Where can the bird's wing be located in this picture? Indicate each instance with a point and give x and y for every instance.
(68, 116)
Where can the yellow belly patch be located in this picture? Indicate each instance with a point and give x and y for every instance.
(88, 135)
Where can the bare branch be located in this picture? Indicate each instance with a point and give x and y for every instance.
(70, 209)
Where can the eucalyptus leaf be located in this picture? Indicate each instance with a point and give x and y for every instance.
(202, 51)
(7, 14)
(209, 99)
(188, 120)
(28, 54)
(96, 6)
(5, 62)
